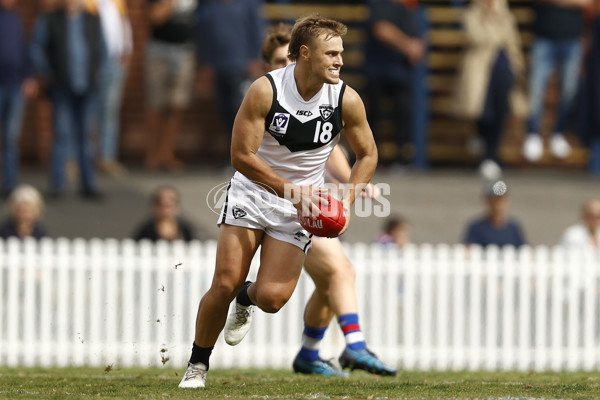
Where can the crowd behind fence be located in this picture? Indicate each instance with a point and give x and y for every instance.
(108, 302)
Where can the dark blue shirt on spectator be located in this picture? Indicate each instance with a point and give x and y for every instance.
(14, 57)
(558, 22)
(8, 229)
(230, 34)
(483, 233)
(382, 61)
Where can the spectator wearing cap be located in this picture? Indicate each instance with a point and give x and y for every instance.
(25, 206)
(495, 227)
(587, 231)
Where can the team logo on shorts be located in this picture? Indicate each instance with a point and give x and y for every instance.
(248, 199)
(238, 212)
(326, 110)
(299, 235)
(279, 124)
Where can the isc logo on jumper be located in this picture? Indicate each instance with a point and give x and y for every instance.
(279, 124)
(306, 113)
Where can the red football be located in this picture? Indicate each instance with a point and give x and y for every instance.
(330, 222)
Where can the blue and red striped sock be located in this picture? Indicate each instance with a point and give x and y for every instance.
(311, 339)
(352, 333)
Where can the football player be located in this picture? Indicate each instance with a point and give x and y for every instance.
(327, 265)
(280, 156)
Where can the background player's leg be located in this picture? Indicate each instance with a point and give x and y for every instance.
(335, 278)
(325, 273)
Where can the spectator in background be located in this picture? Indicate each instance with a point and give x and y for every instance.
(230, 38)
(495, 227)
(393, 51)
(169, 74)
(25, 206)
(492, 65)
(558, 28)
(119, 42)
(396, 231)
(68, 50)
(591, 93)
(165, 223)
(48, 5)
(587, 231)
(16, 83)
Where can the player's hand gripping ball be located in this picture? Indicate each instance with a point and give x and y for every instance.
(331, 221)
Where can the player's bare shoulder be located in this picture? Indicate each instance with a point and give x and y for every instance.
(353, 109)
(259, 97)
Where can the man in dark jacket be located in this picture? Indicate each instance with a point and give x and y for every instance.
(394, 52)
(68, 51)
(15, 83)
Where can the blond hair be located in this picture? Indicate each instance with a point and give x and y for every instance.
(309, 28)
(25, 194)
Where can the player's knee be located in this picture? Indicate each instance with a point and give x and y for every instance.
(323, 292)
(224, 288)
(344, 272)
(272, 307)
(351, 273)
(270, 301)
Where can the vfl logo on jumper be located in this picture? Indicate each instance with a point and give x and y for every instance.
(279, 124)
(238, 212)
(326, 110)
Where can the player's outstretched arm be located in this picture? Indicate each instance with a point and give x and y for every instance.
(248, 132)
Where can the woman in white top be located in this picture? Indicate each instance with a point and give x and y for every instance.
(587, 231)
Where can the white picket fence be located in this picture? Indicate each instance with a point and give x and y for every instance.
(109, 302)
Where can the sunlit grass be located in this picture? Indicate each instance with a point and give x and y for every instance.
(161, 383)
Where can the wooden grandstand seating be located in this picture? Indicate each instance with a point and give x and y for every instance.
(345, 13)
(447, 136)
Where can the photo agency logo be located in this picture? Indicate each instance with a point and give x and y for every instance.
(251, 199)
(244, 199)
(373, 200)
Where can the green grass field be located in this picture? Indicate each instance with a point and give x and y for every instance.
(161, 383)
